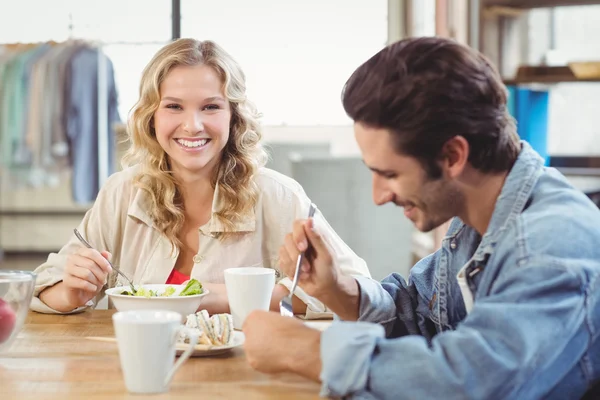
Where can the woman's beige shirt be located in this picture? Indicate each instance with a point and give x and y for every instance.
(120, 222)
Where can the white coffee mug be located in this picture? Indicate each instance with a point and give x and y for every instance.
(146, 341)
(248, 289)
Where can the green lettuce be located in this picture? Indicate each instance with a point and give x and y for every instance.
(192, 288)
(169, 291)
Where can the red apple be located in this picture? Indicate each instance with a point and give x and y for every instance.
(7, 320)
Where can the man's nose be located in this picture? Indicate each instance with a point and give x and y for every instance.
(381, 194)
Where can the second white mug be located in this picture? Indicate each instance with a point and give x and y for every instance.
(146, 341)
(248, 289)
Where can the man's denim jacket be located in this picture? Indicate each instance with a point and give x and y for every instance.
(533, 331)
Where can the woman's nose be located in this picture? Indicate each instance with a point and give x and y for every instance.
(193, 123)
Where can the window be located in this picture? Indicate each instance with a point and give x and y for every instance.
(108, 20)
(130, 32)
(129, 61)
(296, 55)
(573, 110)
(34, 21)
(423, 18)
(122, 21)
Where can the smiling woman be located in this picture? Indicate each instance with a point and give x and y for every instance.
(194, 198)
(192, 121)
(182, 105)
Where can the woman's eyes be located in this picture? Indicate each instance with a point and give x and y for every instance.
(207, 107)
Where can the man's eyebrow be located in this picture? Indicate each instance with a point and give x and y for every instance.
(379, 171)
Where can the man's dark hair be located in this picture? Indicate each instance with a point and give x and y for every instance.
(426, 91)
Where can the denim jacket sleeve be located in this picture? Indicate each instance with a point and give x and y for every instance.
(502, 350)
(401, 308)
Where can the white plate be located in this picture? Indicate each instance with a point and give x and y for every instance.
(202, 350)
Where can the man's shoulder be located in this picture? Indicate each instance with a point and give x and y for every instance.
(558, 220)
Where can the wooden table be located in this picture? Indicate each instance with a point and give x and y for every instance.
(51, 359)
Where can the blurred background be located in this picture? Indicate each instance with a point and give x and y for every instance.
(62, 116)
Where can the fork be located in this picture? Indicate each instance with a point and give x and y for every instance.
(89, 246)
(285, 305)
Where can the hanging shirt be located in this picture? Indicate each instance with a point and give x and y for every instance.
(82, 125)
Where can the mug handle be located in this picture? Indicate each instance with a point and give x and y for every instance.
(193, 336)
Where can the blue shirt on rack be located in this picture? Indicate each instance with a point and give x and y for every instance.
(82, 124)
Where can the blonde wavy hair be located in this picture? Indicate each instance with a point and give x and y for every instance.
(242, 156)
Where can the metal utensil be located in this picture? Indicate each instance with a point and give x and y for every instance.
(89, 246)
(285, 305)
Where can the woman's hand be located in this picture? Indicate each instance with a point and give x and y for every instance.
(86, 272)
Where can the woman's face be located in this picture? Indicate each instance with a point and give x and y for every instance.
(192, 120)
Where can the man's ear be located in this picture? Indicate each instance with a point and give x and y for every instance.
(454, 156)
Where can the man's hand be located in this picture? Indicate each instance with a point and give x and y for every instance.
(319, 276)
(277, 344)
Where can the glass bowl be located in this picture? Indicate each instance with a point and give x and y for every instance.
(16, 291)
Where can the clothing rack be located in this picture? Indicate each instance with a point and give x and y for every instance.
(59, 209)
(103, 128)
(103, 143)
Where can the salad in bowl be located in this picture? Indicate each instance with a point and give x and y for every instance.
(192, 288)
(184, 299)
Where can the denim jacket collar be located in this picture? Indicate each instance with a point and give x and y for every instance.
(515, 193)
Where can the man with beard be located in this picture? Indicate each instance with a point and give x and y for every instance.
(508, 308)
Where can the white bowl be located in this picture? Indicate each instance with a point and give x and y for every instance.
(184, 305)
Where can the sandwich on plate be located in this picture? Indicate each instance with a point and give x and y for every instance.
(216, 330)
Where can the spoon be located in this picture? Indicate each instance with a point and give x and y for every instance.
(89, 246)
